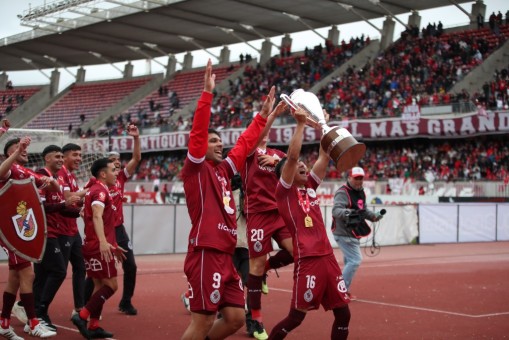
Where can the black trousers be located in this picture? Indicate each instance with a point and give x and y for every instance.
(129, 267)
(49, 275)
(71, 250)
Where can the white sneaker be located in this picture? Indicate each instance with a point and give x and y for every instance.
(39, 331)
(8, 333)
(185, 301)
(19, 312)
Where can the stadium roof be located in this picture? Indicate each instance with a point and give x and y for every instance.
(154, 28)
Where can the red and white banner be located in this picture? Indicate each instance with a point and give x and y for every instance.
(366, 129)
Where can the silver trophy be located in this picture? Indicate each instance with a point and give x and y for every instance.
(337, 142)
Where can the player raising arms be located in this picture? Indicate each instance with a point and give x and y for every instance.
(21, 274)
(317, 278)
(214, 284)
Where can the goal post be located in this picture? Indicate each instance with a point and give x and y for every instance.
(41, 138)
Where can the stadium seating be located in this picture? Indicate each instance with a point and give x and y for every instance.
(88, 99)
(185, 85)
(11, 99)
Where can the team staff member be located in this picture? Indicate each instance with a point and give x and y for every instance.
(51, 271)
(348, 198)
(21, 274)
(100, 248)
(317, 277)
(117, 194)
(213, 281)
(70, 238)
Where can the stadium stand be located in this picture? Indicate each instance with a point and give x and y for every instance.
(13, 97)
(85, 101)
(415, 69)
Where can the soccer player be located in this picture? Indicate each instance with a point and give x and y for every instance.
(117, 194)
(317, 276)
(263, 222)
(51, 271)
(70, 238)
(21, 274)
(213, 281)
(100, 248)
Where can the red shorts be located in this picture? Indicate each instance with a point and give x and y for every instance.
(261, 228)
(318, 280)
(15, 262)
(99, 269)
(213, 281)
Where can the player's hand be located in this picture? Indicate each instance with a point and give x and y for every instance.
(5, 125)
(266, 160)
(105, 248)
(72, 200)
(326, 116)
(279, 109)
(120, 253)
(210, 79)
(300, 115)
(132, 130)
(268, 104)
(24, 142)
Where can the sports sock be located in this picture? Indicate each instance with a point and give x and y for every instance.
(341, 322)
(8, 302)
(97, 300)
(281, 259)
(254, 291)
(29, 304)
(285, 326)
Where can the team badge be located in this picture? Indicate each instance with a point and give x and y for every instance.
(257, 246)
(311, 192)
(215, 296)
(308, 295)
(22, 219)
(342, 285)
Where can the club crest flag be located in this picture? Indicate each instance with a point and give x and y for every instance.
(22, 219)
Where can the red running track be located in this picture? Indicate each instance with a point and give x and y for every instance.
(445, 291)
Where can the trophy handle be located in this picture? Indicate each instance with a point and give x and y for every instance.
(289, 101)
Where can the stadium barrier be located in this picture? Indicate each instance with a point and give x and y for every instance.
(164, 228)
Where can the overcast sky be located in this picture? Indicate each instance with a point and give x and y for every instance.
(9, 9)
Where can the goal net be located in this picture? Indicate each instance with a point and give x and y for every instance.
(42, 138)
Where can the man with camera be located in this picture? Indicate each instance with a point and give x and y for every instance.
(349, 213)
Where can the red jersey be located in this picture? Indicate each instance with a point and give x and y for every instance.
(67, 181)
(294, 205)
(54, 220)
(259, 182)
(207, 187)
(98, 194)
(117, 194)
(20, 172)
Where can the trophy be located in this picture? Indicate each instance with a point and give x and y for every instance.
(337, 142)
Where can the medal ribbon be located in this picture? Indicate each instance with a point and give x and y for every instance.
(304, 202)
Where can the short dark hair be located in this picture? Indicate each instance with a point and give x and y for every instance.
(51, 148)
(99, 165)
(71, 147)
(9, 144)
(279, 166)
(213, 131)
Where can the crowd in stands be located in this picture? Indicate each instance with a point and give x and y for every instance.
(482, 158)
(495, 94)
(236, 106)
(419, 68)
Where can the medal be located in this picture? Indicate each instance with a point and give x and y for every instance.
(306, 207)
(308, 221)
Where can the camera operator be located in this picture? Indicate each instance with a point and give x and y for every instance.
(350, 200)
